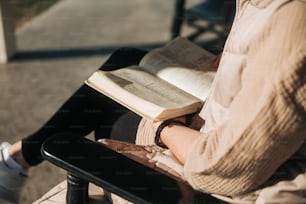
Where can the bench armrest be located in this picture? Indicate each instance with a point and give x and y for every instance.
(94, 162)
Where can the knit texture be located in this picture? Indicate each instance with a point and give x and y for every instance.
(265, 121)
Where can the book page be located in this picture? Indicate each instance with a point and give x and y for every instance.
(183, 64)
(195, 82)
(144, 93)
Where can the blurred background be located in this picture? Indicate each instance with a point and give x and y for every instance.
(24, 10)
(57, 44)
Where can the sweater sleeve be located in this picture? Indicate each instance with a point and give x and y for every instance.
(266, 122)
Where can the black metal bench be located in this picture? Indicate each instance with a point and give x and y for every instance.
(214, 12)
(89, 161)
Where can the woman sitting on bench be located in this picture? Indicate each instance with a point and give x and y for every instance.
(251, 143)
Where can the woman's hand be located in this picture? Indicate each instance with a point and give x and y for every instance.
(178, 138)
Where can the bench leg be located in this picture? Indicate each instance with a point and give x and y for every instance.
(178, 18)
(77, 190)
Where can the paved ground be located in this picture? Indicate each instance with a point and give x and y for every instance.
(57, 51)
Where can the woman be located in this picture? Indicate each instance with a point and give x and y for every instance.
(251, 146)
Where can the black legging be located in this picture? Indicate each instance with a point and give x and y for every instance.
(88, 110)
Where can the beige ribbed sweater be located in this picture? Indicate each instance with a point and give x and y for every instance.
(265, 120)
(255, 116)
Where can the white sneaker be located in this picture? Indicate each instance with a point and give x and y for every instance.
(11, 180)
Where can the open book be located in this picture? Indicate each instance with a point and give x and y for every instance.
(170, 81)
